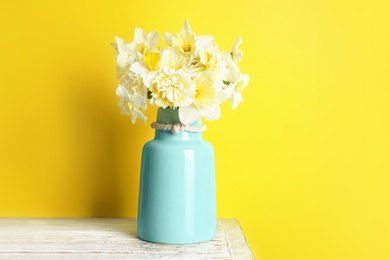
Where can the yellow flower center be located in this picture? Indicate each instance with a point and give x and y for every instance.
(187, 47)
(152, 60)
(185, 40)
(141, 47)
(128, 106)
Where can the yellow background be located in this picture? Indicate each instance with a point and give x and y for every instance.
(303, 163)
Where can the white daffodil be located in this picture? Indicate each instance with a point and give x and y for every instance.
(187, 40)
(130, 103)
(228, 61)
(170, 88)
(235, 88)
(212, 60)
(149, 62)
(143, 43)
(125, 52)
(205, 101)
(236, 53)
(135, 85)
(172, 58)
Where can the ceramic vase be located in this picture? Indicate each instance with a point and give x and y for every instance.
(177, 197)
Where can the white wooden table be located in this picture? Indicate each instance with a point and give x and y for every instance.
(109, 238)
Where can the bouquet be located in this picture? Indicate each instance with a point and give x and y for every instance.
(190, 73)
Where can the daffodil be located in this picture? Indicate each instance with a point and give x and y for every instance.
(170, 88)
(124, 52)
(137, 86)
(228, 61)
(235, 88)
(149, 62)
(173, 59)
(187, 40)
(205, 101)
(212, 60)
(143, 43)
(130, 103)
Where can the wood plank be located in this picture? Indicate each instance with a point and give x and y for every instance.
(102, 239)
(236, 240)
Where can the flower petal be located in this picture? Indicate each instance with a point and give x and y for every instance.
(122, 59)
(139, 68)
(204, 41)
(188, 115)
(120, 43)
(238, 42)
(211, 113)
(236, 53)
(152, 39)
(139, 101)
(236, 99)
(186, 26)
(222, 96)
(229, 90)
(137, 114)
(139, 36)
(168, 38)
(122, 92)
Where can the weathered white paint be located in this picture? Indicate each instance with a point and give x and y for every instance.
(110, 238)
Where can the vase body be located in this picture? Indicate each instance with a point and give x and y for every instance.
(177, 198)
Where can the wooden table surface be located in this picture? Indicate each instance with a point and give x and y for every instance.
(108, 238)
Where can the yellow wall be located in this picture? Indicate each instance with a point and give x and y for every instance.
(303, 163)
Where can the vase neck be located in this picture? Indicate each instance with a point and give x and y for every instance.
(171, 116)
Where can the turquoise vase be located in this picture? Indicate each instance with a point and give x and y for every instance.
(177, 202)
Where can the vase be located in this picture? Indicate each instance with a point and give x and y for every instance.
(177, 198)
